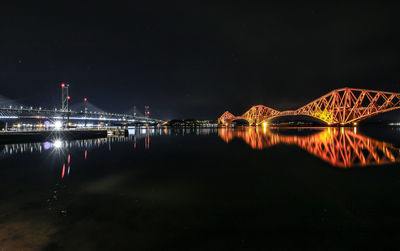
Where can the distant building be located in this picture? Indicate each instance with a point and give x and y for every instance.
(191, 123)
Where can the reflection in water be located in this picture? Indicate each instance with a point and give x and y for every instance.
(70, 202)
(341, 147)
(63, 171)
(87, 144)
(62, 148)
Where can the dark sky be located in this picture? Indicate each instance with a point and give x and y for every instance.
(196, 58)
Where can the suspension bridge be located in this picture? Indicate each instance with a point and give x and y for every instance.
(83, 114)
(23, 113)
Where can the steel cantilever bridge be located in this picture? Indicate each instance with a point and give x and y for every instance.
(338, 107)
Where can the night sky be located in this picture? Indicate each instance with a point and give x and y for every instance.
(195, 59)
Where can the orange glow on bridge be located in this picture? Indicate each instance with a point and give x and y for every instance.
(338, 107)
(342, 147)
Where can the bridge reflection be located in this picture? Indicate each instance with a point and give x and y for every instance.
(340, 147)
(136, 134)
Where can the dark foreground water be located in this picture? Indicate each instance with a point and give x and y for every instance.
(204, 189)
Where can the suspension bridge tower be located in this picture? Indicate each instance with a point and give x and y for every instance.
(64, 97)
(147, 111)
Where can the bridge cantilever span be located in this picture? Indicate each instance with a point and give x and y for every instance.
(254, 115)
(338, 107)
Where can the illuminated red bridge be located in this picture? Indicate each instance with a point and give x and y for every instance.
(338, 107)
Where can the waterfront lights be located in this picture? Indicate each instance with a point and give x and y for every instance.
(57, 143)
(58, 125)
(46, 145)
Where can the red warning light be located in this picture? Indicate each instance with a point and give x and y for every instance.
(62, 85)
(68, 97)
(85, 99)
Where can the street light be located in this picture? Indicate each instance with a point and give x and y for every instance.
(58, 125)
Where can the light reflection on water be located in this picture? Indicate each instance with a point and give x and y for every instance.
(62, 148)
(341, 147)
(87, 189)
(134, 135)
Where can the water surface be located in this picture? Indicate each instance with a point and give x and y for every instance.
(196, 189)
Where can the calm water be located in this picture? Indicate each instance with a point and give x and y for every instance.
(201, 189)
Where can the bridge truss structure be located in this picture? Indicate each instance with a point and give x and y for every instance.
(338, 107)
